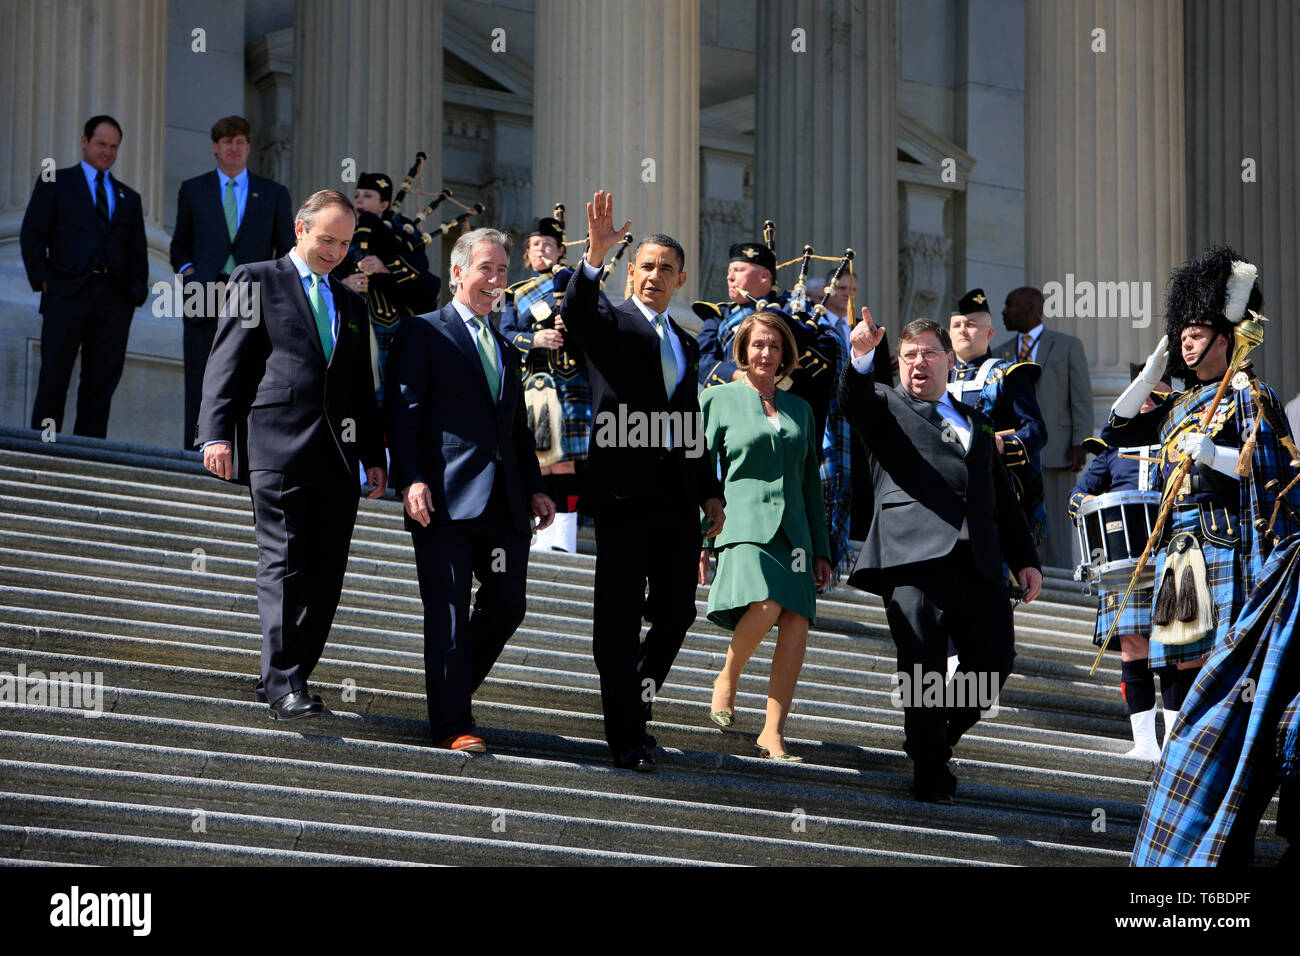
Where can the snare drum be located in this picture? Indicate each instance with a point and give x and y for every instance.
(1113, 530)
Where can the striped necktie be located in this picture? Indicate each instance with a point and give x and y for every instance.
(324, 328)
(1026, 347)
(487, 353)
(232, 223)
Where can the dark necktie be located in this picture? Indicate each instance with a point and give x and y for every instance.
(101, 201)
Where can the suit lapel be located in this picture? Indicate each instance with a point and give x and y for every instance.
(252, 207)
(212, 198)
(291, 286)
(636, 321)
(454, 327)
(1044, 346)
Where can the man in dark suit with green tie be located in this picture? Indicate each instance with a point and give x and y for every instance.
(83, 246)
(289, 408)
(226, 217)
(466, 464)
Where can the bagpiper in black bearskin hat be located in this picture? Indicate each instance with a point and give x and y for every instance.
(1215, 289)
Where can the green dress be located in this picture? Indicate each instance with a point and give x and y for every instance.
(776, 514)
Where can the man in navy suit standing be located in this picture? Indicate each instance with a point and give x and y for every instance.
(464, 459)
(83, 247)
(224, 218)
(289, 408)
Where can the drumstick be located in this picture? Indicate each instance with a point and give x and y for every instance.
(1136, 457)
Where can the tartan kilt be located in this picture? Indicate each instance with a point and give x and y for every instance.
(1224, 576)
(575, 406)
(1136, 618)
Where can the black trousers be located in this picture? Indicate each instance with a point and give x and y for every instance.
(304, 530)
(641, 544)
(96, 321)
(933, 602)
(459, 647)
(197, 343)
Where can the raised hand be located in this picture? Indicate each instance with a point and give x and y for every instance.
(866, 335)
(601, 234)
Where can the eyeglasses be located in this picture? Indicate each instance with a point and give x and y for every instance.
(913, 356)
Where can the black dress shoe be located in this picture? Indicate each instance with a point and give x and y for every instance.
(933, 783)
(636, 759)
(295, 705)
(259, 695)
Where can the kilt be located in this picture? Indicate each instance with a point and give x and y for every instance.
(1224, 576)
(575, 405)
(1136, 618)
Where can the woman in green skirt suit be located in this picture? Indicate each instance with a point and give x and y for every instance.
(774, 553)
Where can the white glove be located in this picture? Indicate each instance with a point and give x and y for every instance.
(1202, 450)
(1130, 400)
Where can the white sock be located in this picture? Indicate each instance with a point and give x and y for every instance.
(1144, 735)
(1170, 717)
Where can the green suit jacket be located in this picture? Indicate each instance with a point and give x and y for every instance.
(771, 479)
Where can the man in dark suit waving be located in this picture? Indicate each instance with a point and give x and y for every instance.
(464, 457)
(289, 408)
(83, 247)
(644, 494)
(224, 218)
(945, 518)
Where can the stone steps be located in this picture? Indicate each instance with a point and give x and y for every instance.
(99, 578)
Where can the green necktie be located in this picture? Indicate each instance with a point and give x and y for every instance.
(232, 223)
(666, 358)
(487, 353)
(322, 314)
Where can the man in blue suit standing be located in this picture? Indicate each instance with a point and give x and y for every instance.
(83, 247)
(289, 409)
(226, 217)
(464, 459)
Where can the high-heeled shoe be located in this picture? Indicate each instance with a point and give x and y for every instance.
(723, 718)
(787, 757)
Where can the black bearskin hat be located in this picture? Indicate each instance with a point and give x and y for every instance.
(1199, 295)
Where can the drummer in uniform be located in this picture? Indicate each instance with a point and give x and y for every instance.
(556, 389)
(1114, 469)
(1003, 391)
(391, 274)
(1211, 554)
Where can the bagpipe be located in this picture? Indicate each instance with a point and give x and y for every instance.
(409, 232)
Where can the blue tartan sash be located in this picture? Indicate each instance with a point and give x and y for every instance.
(540, 291)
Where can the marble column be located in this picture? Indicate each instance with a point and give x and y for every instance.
(1243, 99)
(367, 94)
(617, 107)
(65, 61)
(268, 62)
(826, 137)
(1105, 169)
